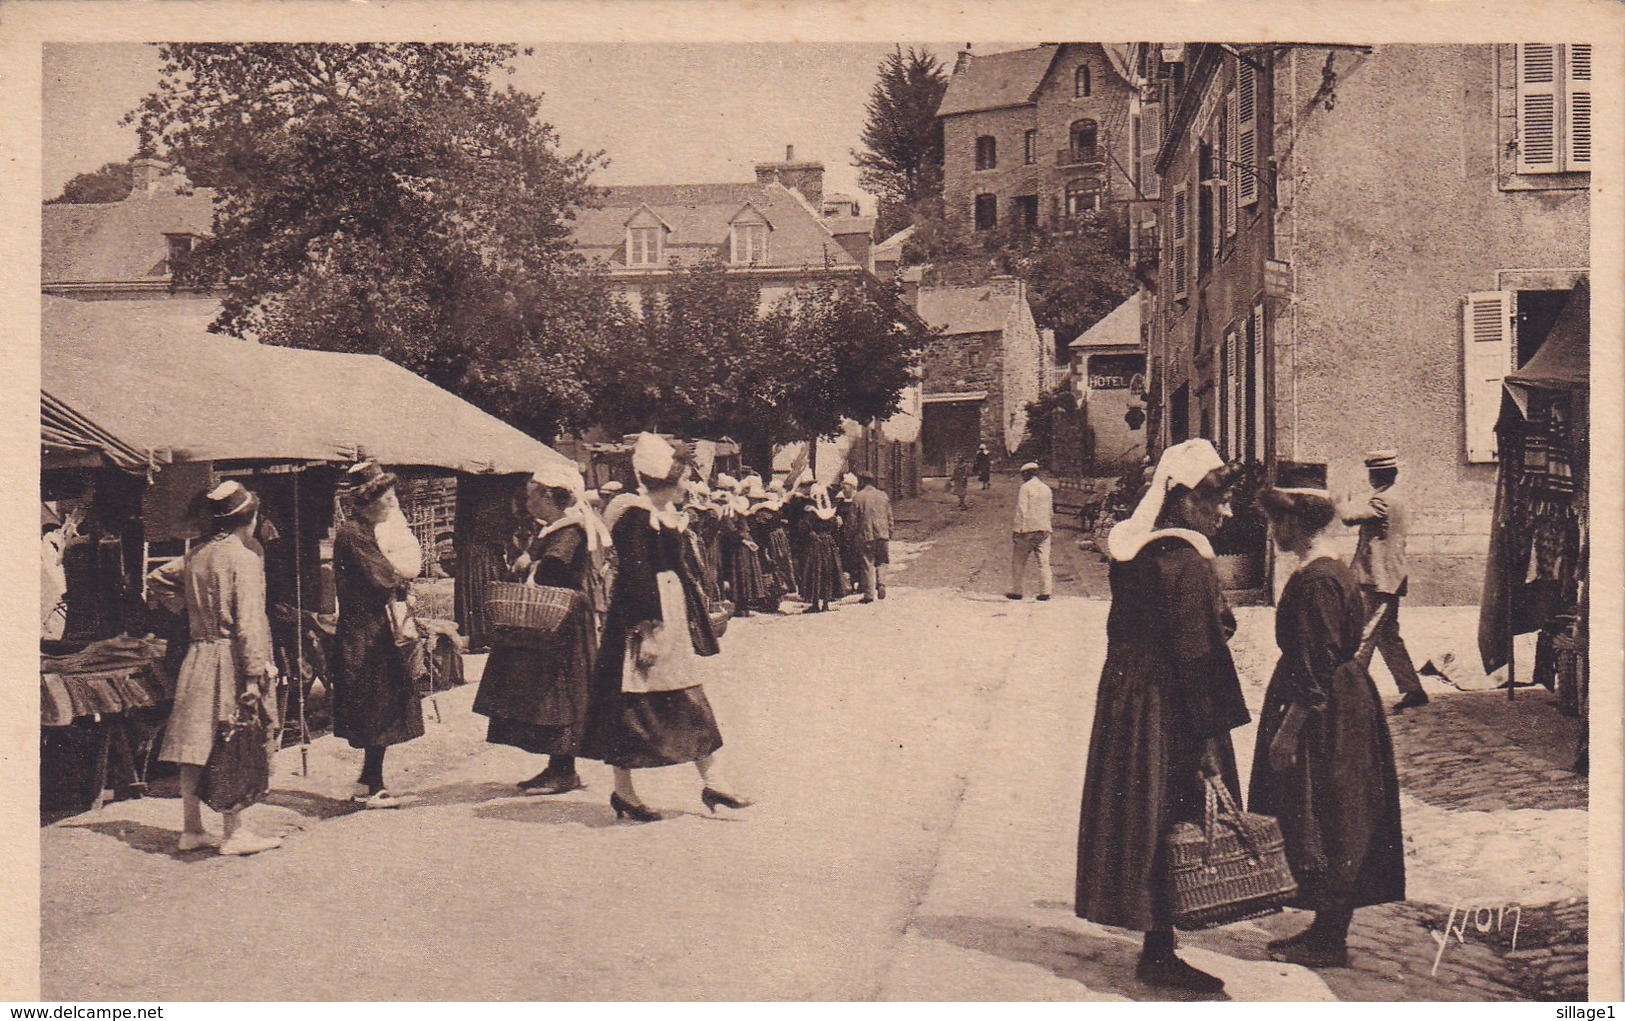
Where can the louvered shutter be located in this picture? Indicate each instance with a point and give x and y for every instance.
(1150, 142)
(1257, 345)
(1537, 109)
(1230, 172)
(1224, 395)
(1238, 410)
(1180, 255)
(1246, 131)
(1577, 106)
(1486, 353)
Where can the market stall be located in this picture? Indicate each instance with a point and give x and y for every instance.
(1538, 580)
(140, 414)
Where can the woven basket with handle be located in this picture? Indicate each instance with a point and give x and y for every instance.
(1231, 867)
(524, 606)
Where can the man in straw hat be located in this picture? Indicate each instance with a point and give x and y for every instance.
(1379, 564)
(1030, 532)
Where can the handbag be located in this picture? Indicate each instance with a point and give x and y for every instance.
(238, 773)
(1230, 867)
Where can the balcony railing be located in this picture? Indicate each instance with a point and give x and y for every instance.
(1091, 156)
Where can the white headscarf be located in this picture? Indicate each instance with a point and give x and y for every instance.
(558, 475)
(821, 505)
(1183, 464)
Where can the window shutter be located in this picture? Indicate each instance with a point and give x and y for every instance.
(1246, 130)
(1238, 410)
(1180, 254)
(1257, 344)
(1577, 107)
(1486, 352)
(1537, 108)
(1231, 155)
(1150, 142)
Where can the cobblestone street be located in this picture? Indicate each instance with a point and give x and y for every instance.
(918, 765)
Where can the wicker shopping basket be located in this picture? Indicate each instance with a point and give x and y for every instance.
(524, 606)
(1231, 867)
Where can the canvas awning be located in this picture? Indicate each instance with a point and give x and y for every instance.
(140, 385)
(1564, 360)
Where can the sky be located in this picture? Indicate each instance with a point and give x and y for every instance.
(663, 113)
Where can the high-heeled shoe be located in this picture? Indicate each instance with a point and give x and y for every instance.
(711, 798)
(636, 809)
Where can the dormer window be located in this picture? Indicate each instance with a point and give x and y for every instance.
(643, 246)
(1080, 81)
(180, 246)
(646, 238)
(747, 237)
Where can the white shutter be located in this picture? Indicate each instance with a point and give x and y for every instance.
(1258, 382)
(1179, 257)
(1224, 395)
(1577, 107)
(1486, 353)
(1537, 108)
(1238, 408)
(1246, 131)
(1150, 142)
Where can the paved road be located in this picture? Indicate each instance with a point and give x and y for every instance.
(917, 764)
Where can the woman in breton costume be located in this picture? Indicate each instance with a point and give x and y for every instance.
(821, 580)
(1168, 699)
(537, 688)
(750, 586)
(702, 536)
(220, 586)
(1324, 764)
(651, 709)
(773, 537)
(376, 701)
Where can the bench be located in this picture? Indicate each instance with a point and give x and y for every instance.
(1082, 497)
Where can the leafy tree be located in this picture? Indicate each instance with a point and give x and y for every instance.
(1075, 277)
(704, 358)
(901, 161)
(389, 199)
(1039, 444)
(111, 182)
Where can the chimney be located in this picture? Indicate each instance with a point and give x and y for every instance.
(962, 60)
(805, 176)
(145, 175)
(1006, 285)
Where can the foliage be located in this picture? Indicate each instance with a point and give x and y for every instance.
(111, 182)
(388, 199)
(1039, 444)
(901, 160)
(1247, 530)
(1075, 277)
(705, 359)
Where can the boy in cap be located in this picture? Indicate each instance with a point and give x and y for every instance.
(1379, 564)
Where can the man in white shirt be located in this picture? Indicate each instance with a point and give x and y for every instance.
(1035, 510)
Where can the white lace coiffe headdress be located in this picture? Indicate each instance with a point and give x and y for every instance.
(1183, 464)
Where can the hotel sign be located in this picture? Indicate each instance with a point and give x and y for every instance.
(1114, 372)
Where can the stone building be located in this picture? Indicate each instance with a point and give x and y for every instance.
(1355, 245)
(987, 361)
(1034, 137)
(774, 230)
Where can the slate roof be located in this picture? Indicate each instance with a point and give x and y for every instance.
(699, 214)
(956, 310)
(1120, 328)
(119, 242)
(998, 80)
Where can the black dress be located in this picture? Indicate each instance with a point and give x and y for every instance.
(641, 730)
(375, 702)
(773, 546)
(537, 692)
(1169, 684)
(821, 578)
(750, 585)
(1339, 805)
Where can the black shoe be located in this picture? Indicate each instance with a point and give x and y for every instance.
(1172, 973)
(1013, 595)
(881, 591)
(1313, 952)
(558, 783)
(867, 599)
(1411, 700)
(636, 809)
(711, 798)
(1043, 599)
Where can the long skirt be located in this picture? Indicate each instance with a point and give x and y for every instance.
(782, 564)
(750, 588)
(821, 579)
(206, 691)
(1143, 776)
(539, 698)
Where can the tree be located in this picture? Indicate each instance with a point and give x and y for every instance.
(388, 199)
(901, 162)
(705, 359)
(1075, 277)
(111, 182)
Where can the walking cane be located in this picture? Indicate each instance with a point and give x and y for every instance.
(299, 629)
